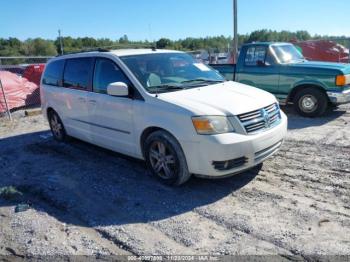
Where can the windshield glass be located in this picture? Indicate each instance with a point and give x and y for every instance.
(287, 53)
(165, 72)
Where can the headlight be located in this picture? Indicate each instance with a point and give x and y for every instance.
(211, 125)
(342, 80)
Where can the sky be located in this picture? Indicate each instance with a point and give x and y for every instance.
(174, 19)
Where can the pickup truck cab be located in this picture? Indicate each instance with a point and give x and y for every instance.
(180, 116)
(280, 69)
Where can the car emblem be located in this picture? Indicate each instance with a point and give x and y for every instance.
(266, 118)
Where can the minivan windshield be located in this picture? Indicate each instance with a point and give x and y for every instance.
(287, 54)
(168, 72)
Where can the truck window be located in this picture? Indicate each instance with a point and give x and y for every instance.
(53, 73)
(226, 70)
(107, 72)
(77, 73)
(255, 54)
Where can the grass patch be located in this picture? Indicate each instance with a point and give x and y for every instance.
(10, 193)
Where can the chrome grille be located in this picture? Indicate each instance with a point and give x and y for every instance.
(262, 119)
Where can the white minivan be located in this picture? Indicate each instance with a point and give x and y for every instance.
(162, 106)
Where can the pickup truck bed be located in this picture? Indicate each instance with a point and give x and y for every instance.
(227, 70)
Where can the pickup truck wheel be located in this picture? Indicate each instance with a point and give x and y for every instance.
(310, 102)
(165, 158)
(57, 127)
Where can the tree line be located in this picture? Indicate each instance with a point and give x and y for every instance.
(43, 47)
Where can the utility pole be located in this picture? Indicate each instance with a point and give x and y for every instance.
(235, 35)
(349, 49)
(60, 38)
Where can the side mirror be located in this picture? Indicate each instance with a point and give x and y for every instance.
(260, 63)
(118, 89)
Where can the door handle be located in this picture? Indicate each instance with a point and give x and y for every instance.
(81, 100)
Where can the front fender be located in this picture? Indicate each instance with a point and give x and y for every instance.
(309, 82)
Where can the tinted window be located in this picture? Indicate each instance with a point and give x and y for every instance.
(77, 73)
(53, 73)
(255, 54)
(107, 72)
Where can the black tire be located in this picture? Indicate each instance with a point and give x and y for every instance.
(333, 106)
(57, 128)
(310, 102)
(165, 158)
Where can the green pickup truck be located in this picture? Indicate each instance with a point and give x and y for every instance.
(281, 69)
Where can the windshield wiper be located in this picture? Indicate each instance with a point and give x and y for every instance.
(166, 87)
(202, 80)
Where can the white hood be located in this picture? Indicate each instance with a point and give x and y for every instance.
(228, 98)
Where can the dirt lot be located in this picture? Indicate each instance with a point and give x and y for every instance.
(87, 200)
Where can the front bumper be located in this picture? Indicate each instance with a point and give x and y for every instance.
(207, 156)
(338, 98)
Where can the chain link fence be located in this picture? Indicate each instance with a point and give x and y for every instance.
(19, 82)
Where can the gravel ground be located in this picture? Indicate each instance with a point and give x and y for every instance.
(89, 201)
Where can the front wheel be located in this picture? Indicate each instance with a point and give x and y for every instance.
(310, 102)
(165, 158)
(56, 126)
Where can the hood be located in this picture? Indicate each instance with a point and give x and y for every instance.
(325, 66)
(228, 98)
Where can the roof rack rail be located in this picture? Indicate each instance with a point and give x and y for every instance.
(112, 47)
(86, 51)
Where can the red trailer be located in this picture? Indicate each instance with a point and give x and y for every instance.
(33, 73)
(323, 50)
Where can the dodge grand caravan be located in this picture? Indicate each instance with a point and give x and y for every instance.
(178, 115)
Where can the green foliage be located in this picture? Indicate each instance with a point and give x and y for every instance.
(163, 43)
(9, 193)
(29, 47)
(41, 47)
(283, 36)
(124, 39)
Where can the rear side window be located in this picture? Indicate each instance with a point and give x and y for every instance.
(78, 73)
(53, 73)
(255, 54)
(107, 72)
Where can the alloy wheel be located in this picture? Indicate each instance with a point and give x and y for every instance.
(56, 126)
(162, 160)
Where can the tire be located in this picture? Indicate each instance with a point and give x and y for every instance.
(57, 128)
(333, 106)
(165, 158)
(310, 102)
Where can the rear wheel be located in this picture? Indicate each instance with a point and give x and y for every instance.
(165, 158)
(310, 102)
(56, 126)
